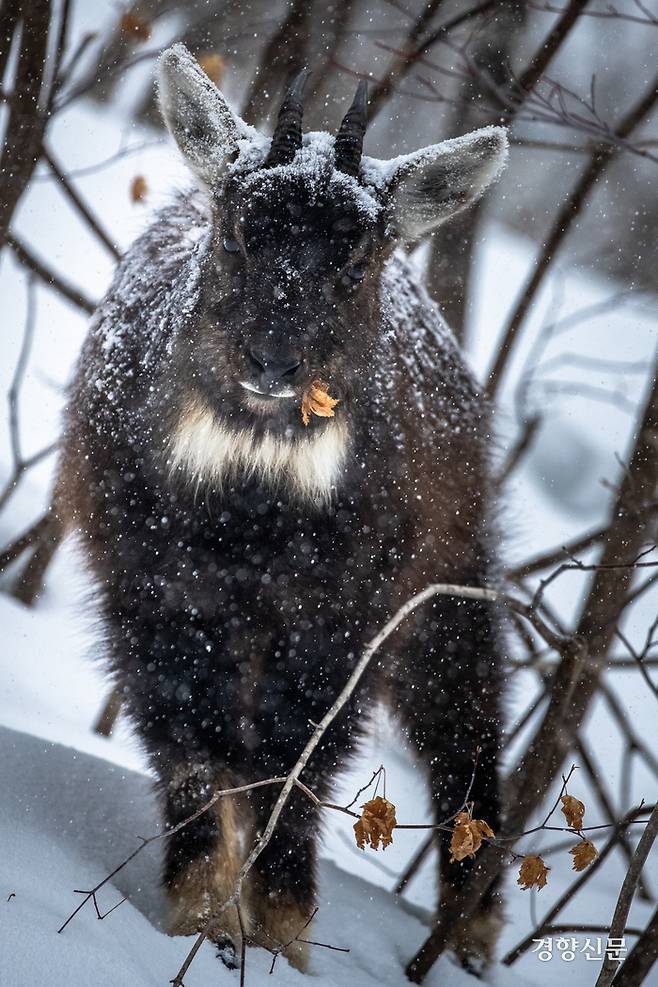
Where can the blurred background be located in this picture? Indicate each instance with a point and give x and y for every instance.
(549, 284)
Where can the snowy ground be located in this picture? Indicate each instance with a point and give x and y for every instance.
(73, 804)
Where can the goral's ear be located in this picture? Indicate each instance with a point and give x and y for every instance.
(432, 184)
(200, 120)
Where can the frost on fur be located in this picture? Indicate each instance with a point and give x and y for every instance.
(429, 186)
(270, 433)
(198, 116)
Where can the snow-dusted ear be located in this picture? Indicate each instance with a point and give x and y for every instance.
(198, 117)
(432, 184)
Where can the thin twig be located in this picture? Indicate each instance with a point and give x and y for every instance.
(13, 397)
(634, 739)
(406, 59)
(610, 14)
(571, 892)
(640, 658)
(375, 776)
(243, 947)
(298, 937)
(561, 227)
(79, 204)
(553, 556)
(146, 841)
(587, 762)
(21, 544)
(577, 565)
(48, 276)
(292, 781)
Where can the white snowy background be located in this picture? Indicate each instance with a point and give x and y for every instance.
(72, 804)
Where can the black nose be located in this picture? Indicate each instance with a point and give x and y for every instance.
(274, 367)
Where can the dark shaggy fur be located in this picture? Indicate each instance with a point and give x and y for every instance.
(235, 606)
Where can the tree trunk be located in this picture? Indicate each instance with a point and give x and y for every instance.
(28, 105)
(452, 245)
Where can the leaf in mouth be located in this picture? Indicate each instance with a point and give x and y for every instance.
(316, 401)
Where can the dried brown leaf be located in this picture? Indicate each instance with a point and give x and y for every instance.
(574, 811)
(316, 401)
(135, 27)
(213, 65)
(533, 873)
(467, 836)
(583, 853)
(376, 824)
(138, 189)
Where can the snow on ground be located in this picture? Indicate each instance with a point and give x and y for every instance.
(71, 817)
(73, 804)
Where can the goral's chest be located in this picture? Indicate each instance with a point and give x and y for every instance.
(256, 552)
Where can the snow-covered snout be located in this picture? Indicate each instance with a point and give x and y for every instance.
(302, 227)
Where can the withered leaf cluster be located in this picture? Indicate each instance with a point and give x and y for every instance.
(467, 836)
(533, 873)
(376, 825)
(573, 810)
(583, 854)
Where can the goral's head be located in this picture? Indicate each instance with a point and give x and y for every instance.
(302, 228)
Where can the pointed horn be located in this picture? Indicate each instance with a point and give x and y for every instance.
(287, 136)
(349, 139)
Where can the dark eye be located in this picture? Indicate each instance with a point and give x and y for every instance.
(231, 246)
(356, 273)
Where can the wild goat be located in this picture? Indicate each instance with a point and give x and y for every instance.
(243, 554)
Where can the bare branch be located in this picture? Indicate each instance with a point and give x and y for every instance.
(21, 544)
(611, 13)
(298, 937)
(571, 892)
(28, 109)
(561, 226)
(556, 555)
(586, 760)
(21, 463)
(576, 681)
(640, 960)
(292, 780)
(639, 657)
(635, 742)
(520, 448)
(577, 566)
(49, 277)
(405, 60)
(544, 54)
(282, 57)
(123, 152)
(626, 894)
(79, 205)
(91, 894)
(108, 714)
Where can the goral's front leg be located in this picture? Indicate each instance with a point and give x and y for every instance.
(203, 861)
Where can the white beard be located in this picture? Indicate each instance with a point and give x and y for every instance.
(209, 452)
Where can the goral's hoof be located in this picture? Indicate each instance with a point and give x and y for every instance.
(474, 943)
(473, 963)
(227, 952)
